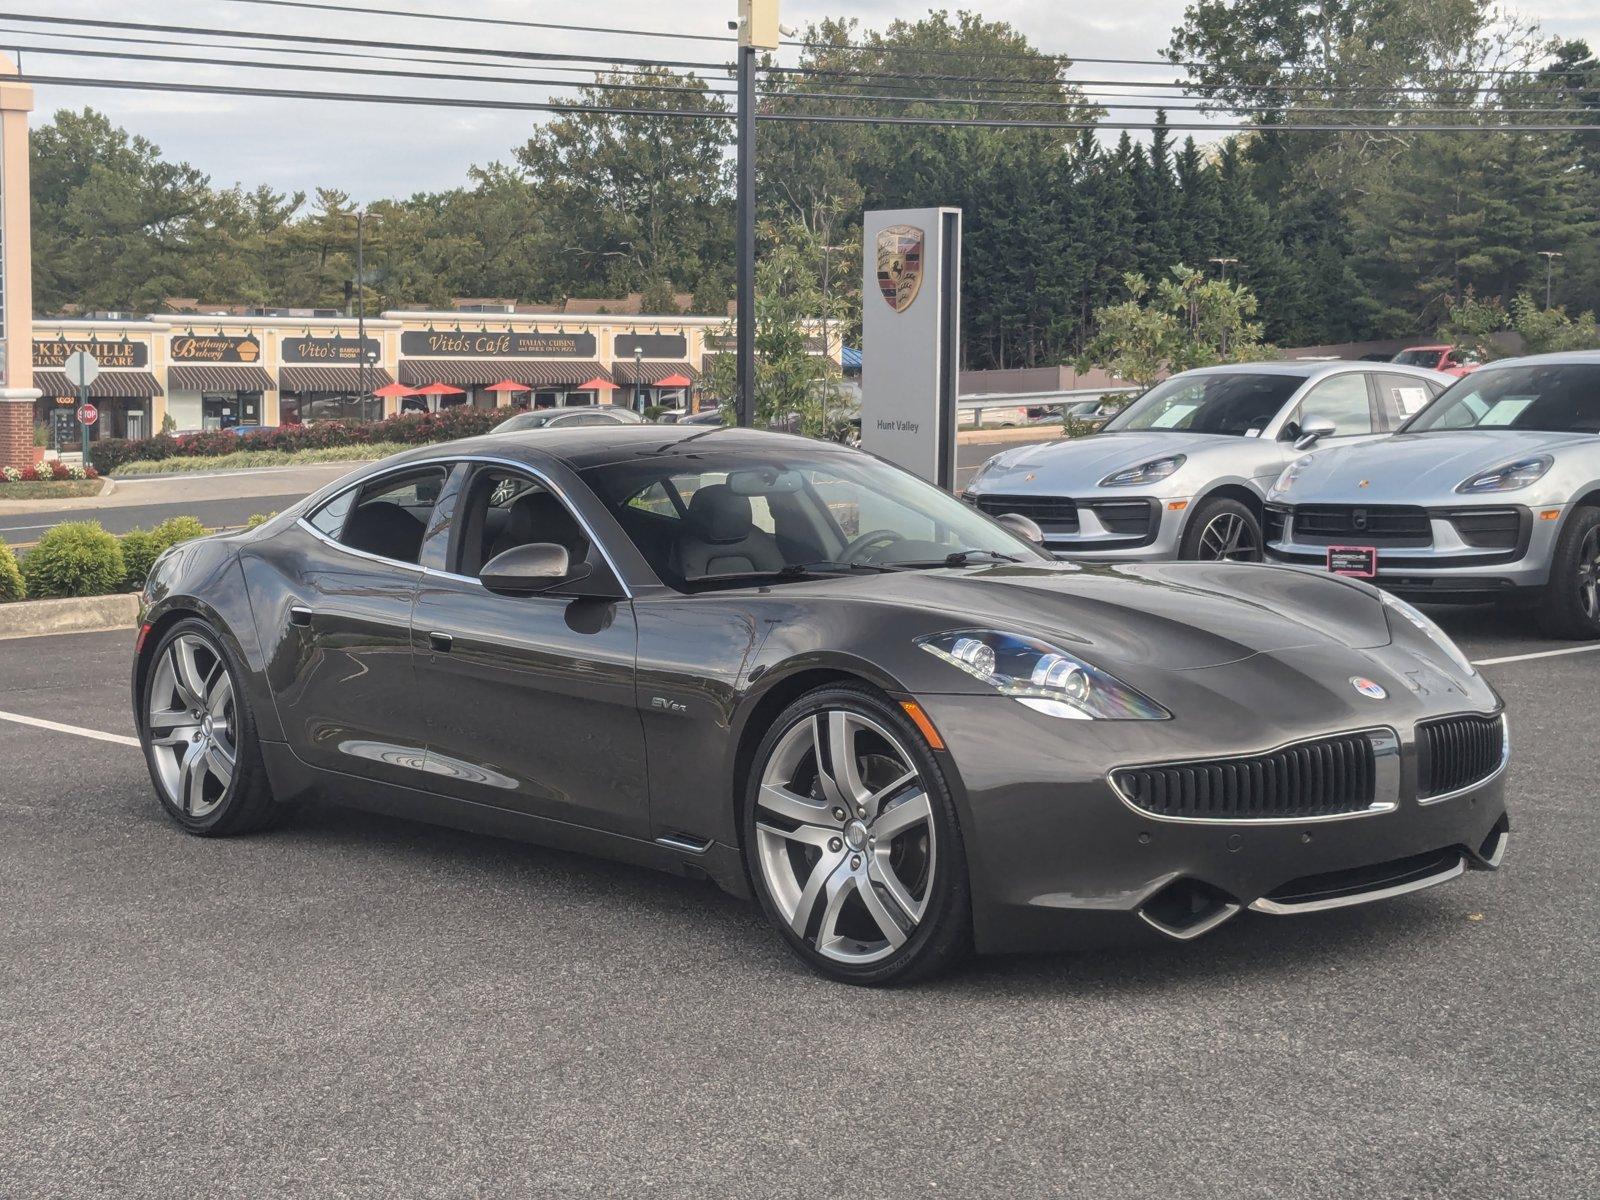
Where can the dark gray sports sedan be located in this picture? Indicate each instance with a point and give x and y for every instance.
(798, 671)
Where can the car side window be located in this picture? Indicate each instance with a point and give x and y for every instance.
(1401, 397)
(391, 515)
(507, 509)
(330, 518)
(1343, 399)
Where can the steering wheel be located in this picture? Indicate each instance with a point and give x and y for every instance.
(875, 538)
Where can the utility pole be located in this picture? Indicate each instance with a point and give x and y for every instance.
(758, 30)
(1550, 257)
(361, 311)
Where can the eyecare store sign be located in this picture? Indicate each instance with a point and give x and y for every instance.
(54, 352)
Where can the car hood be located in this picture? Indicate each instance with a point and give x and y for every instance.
(1417, 468)
(1083, 462)
(1157, 616)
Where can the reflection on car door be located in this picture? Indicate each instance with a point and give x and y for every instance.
(339, 640)
(531, 702)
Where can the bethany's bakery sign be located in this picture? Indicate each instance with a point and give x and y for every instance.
(54, 352)
(197, 348)
(331, 350)
(430, 343)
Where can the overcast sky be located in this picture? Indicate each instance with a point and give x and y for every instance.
(375, 151)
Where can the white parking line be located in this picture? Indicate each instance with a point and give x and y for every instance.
(79, 730)
(1511, 658)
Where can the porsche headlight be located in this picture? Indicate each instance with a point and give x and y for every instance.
(1509, 477)
(1156, 468)
(1041, 676)
(1438, 636)
(1292, 472)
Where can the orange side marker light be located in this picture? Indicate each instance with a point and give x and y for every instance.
(1550, 514)
(920, 720)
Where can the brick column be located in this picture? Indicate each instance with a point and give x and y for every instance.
(16, 428)
(17, 392)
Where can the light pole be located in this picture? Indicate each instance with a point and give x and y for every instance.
(361, 311)
(1550, 257)
(758, 30)
(1224, 263)
(638, 383)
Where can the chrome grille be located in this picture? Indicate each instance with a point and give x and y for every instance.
(1328, 777)
(1457, 752)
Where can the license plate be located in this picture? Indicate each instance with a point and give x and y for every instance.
(1360, 561)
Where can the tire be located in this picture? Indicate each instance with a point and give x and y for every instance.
(206, 768)
(850, 909)
(1222, 530)
(1570, 606)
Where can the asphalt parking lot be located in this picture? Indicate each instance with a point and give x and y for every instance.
(356, 1006)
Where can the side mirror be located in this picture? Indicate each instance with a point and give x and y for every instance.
(1026, 529)
(1314, 431)
(528, 570)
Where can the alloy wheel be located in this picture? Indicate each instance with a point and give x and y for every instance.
(845, 836)
(191, 720)
(1589, 575)
(1228, 537)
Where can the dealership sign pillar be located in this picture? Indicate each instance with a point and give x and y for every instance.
(911, 338)
(17, 392)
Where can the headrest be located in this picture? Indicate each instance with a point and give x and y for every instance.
(719, 514)
(540, 517)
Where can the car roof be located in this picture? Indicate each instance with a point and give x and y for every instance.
(1306, 368)
(593, 445)
(1564, 358)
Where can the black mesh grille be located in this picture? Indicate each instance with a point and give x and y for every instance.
(1489, 529)
(1328, 777)
(1377, 525)
(1130, 518)
(1051, 513)
(1457, 752)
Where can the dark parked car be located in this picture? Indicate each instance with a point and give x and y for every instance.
(807, 675)
(572, 417)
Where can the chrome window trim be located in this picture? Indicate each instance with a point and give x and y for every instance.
(1386, 780)
(1505, 758)
(1263, 905)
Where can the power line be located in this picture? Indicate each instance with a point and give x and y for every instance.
(720, 115)
(457, 19)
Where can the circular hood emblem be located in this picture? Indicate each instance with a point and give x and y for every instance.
(1369, 689)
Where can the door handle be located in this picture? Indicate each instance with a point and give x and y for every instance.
(440, 642)
(299, 615)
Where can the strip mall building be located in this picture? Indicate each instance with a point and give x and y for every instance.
(219, 371)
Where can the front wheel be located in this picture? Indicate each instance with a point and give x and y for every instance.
(1222, 530)
(852, 841)
(1571, 604)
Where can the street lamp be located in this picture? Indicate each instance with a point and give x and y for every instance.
(1224, 263)
(361, 311)
(638, 383)
(1550, 257)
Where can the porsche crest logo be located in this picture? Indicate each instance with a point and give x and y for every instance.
(900, 265)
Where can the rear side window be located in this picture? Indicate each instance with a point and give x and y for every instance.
(1401, 397)
(329, 519)
(387, 518)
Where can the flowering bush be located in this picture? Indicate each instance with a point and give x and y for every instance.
(11, 474)
(45, 472)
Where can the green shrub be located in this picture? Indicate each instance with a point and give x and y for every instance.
(77, 558)
(141, 547)
(11, 585)
(259, 520)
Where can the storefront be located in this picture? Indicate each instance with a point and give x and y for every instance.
(124, 392)
(548, 367)
(215, 381)
(330, 378)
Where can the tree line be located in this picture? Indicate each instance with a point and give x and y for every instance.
(1338, 235)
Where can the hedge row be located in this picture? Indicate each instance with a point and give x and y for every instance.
(79, 558)
(409, 429)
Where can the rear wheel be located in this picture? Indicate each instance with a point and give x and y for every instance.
(1571, 604)
(199, 736)
(852, 842)
(1222, 530)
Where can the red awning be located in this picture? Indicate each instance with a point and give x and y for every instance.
(508, 385)
(440, 389)
(675, 381)
(597, 384)
(393, 389)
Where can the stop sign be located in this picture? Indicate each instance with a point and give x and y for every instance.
(88, 414)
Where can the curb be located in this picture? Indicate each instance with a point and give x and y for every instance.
(1010, 433)
(75, 614)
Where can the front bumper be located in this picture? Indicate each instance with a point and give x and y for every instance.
(1059, 860)
(1446, 566)
(1102, 528)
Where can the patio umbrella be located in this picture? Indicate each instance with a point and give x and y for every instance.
(596, 385)
(439, 389)
(394, 389)
(508, 385)
(675, 381)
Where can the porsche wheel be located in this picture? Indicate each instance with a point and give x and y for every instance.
(199, 736)
(852, 842)
(1571, 606)
(1222, 530)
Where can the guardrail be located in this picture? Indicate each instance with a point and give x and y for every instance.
(980, 403)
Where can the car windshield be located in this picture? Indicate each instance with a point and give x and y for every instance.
(1417, 358)
(1229, 403)
(1555, 398)
(722, 517)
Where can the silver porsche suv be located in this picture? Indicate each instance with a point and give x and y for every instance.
(1183, 471)
(1492, 491)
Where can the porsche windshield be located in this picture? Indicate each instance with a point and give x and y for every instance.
(1232, 404)
(1558, 398)
(718, 518)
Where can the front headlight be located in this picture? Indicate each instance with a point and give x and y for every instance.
(1037, 674)
(1509, 477)
(1292, 472)
(1156, 468)
(1438, 636)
